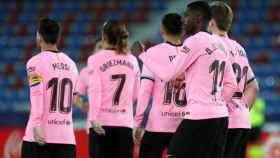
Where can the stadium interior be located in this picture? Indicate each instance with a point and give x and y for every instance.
(256, 27)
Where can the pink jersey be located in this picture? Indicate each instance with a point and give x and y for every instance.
(82, 87)
(239, 115)
(52, 79)
(208, 73)
(113, 87)
(168, 102)
(82, 83)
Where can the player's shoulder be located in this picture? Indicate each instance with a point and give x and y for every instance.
(68, 59)
(96, 55)
(200, 39)
(36, 59)
(132, 58)
(201, 36)
(157, 47)
(236, 44)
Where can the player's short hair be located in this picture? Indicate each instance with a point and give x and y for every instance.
(49, 30)
(202, 8)
(172, 22)
(222, 14)
(117, 35)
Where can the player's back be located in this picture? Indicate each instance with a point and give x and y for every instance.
(55, 76)
(239, 112)
(165, 114)
(205, 77)
(118, 73)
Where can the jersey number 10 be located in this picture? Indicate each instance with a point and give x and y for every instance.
(178, 95)
(58, 94)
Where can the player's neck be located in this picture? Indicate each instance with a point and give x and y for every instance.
(220, 33)
(108, 46)
(173, 40)
(49, 47)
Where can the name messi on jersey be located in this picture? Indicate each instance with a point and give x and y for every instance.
(60, 66)
(112, 63)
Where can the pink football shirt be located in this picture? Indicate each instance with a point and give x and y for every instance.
(239, 115)
(208, 73)
(52, 79)
(168, 101)
(113, 87)
(82, 87)
(82, 83)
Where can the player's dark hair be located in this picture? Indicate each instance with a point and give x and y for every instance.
(222, 14)
(202, 10)
(172, 22)
(49, 30)
(117, 35)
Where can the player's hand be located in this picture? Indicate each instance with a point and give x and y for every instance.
(179, 81)
(37, 133)
(98, 128)
(137, 135)
(83, 106)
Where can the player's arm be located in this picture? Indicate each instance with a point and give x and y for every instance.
(36, 85)
(146, 87)
(252, 89)
(136, 84)
(145, 92)
(81, 89)
(229, 82)
(94, 93)
(188, 55)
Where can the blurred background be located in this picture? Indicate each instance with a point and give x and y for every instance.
(256, 26)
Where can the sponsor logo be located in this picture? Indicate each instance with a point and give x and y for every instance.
(107, 110)
(175, 114)
(59, 122)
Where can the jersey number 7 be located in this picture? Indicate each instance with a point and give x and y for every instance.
(121, 78)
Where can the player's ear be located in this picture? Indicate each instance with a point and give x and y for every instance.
(38, 38)
(162, 30)
(212, 24)
(102, 38)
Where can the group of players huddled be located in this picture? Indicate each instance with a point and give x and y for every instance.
(198, 81)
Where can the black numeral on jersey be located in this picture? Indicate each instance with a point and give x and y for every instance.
(240, 73)
(55, 93)
(121, 78)
(178, 95)
(218, 68)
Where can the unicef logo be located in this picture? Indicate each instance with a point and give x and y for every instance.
(272, 147)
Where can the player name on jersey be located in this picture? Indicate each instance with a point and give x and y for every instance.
(115, 62)
(60, 66)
